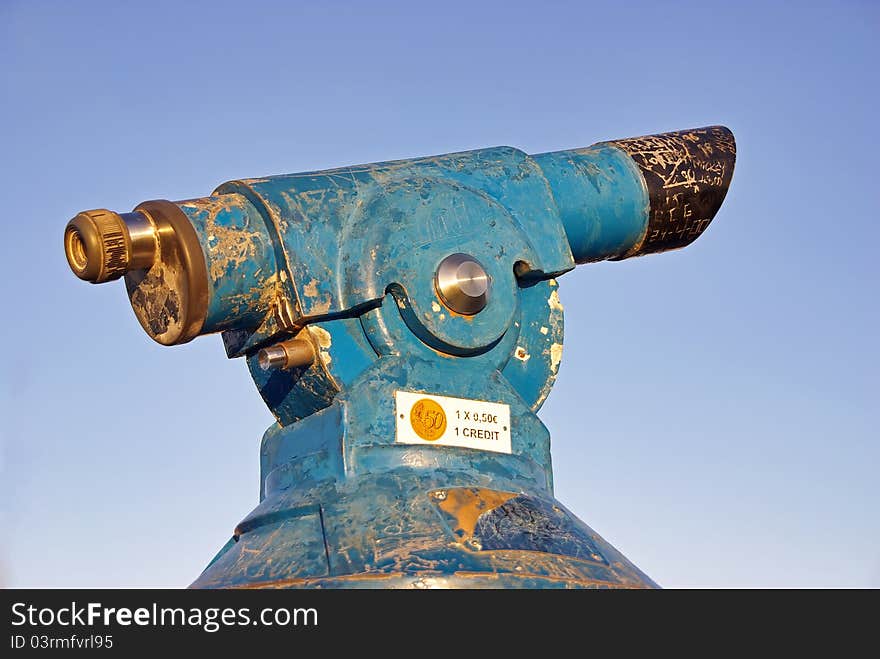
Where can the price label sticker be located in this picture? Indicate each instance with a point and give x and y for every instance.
(446, 421)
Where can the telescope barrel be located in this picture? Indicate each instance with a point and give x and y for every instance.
(640, 195)
(234, 260)
(191, 267)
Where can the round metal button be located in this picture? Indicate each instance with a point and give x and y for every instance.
(462, 284)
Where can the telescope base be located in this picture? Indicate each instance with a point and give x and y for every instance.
(390, 531)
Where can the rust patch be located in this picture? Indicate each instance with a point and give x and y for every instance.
(318, 304)
(430, 580)
(573, 581)
(228, 248)
(305, 582)
(155, 301)
(324, 341)
(466, 504)
(551, 350)
(555, 356)
(269, 290)
(311, 289)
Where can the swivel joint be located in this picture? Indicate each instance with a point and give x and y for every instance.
(462, 284)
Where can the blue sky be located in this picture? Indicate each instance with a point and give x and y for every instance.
(714, 417)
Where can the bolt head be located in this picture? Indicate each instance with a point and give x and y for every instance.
(462, 284)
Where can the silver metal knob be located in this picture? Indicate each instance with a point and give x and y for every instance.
(462, 284)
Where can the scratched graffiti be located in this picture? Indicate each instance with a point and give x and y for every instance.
(687, 174)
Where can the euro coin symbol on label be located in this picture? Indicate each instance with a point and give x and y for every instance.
(428, 419)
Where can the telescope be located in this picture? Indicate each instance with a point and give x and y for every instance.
(402, 322)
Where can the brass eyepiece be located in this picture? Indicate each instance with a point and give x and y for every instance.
(101, 245)
(158, 251)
